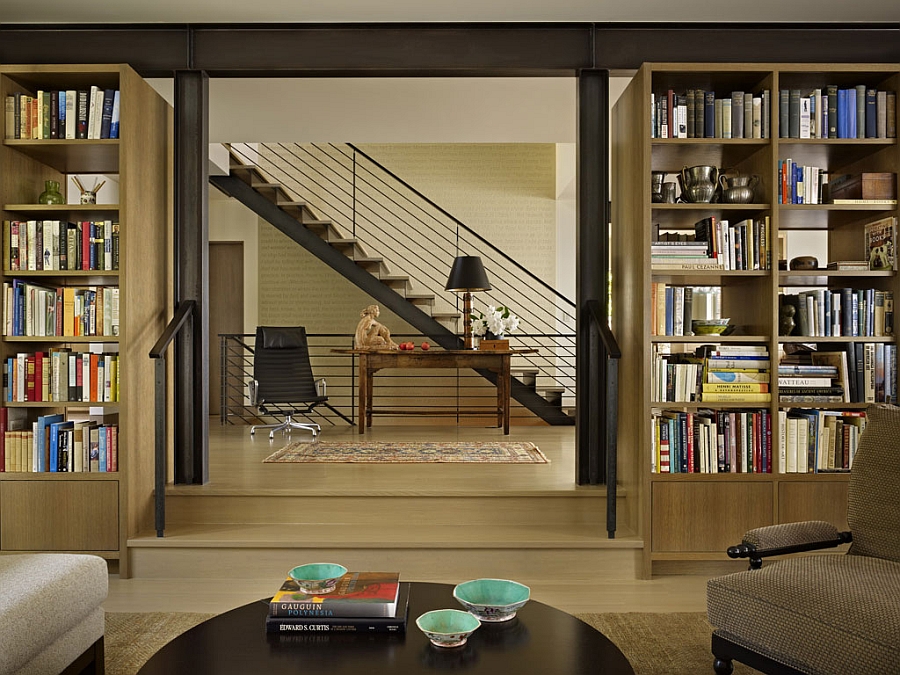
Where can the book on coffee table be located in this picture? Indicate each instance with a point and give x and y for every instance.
(358, 594)
(395, 623)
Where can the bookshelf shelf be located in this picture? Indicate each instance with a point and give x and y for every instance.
(117, 503)
(72, 156)
(676, 508)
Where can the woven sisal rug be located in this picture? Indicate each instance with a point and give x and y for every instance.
(477, 452)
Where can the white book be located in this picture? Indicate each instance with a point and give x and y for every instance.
(726, 118)
(114, 121)
(802, 447)
(93, 111)
(71, 119)
(757, 117)
(804, 117)
(97, 119)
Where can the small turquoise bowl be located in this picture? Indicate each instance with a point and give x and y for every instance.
(447, 627)
(492, 599)
(316, 578)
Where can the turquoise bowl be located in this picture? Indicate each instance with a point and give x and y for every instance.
(315, 578)
(492, 599)
(447, 627)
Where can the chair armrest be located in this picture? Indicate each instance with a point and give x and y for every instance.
(764, 542)
(321, 387)
(253, 390)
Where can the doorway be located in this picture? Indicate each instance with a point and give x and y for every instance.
(226, 307)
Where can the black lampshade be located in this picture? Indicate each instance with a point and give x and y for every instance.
(467, 274)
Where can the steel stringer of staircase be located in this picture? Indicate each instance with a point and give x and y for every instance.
(385, 296)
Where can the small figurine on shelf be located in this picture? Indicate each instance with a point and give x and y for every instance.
(89, 196)
(370, 334)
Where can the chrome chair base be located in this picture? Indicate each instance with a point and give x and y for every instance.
(287, 426)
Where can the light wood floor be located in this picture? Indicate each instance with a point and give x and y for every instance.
(236, 467)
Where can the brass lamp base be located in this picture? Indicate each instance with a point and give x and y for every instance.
(468, 335)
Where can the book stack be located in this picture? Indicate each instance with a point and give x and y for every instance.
(363, 602)
(818, 441)
(737, 374)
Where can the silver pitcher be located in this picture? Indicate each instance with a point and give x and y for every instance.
(738, 188)
(699, 183)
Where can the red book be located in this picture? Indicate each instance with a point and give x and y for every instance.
(38, 377)
(86, 245)
(113, 444)
(29, 378)
(79, 377)
(93, 372)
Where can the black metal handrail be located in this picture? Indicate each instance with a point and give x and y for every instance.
(610, 403)
(183, 313)
(445, 389)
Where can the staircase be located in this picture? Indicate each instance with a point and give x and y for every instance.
(340, 205)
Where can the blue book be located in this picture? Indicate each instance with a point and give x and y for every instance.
(102, 457)
(58, 462)
(843, 124)
(114, 120)
(709, 112)
(42, 440)
(61, 114)
(851, 113)
(670, 310)
(106, 113)
(871, 117)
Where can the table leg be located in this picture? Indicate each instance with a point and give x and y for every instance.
(363, 391)
(504, 376)
(370, 380)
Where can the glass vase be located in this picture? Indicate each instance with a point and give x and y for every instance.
(51, 193)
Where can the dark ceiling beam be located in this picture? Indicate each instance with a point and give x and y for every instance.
(458, 49)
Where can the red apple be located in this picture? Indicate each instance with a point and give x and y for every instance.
(425, 346)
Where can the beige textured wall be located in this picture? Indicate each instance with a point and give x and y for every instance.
(505, 192)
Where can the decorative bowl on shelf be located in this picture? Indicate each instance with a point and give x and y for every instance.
(448, 627)
(709, 326)
(317, 578)
(492, 599)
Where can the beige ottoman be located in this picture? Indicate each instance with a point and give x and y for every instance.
(51, 617)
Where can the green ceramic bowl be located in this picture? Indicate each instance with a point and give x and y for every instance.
(709, 326)
(448, 627)
(315, 578)
(492, 599)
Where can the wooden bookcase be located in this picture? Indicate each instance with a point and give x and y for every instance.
(695, 517)
(94, 512)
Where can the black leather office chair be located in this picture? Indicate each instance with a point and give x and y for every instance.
(282, 374)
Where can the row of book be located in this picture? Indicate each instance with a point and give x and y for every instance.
(801, 184)
(741, 441)
(34, 310)
(840, 312)
(362, 602)
(673, 308)
(42, 245)
(815, 441)
(709, 374)
(835, 112)
(61, 375)
(68, 114)
(866, 373)
(708, 441)
(698, 113)
(56, 445)
(717, 244)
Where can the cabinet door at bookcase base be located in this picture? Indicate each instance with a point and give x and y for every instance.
(59, 515)
(814, 500)
(707, 517)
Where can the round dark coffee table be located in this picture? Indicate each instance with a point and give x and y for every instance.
(540, 639)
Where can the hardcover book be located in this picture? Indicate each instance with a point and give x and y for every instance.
(358, 594)
(880, 243)
(396, 623)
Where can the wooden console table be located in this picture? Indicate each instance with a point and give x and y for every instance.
(371, 361)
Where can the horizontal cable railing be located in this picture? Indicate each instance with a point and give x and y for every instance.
(440, 391)
(416, 237)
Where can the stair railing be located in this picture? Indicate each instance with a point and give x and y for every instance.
(417, 237)
(183, 314)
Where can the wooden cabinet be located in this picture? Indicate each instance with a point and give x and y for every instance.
(92, 511)
(695, 516)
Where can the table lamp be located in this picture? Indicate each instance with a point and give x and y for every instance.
(467, 275)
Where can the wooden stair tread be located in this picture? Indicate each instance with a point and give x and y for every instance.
(346, 535)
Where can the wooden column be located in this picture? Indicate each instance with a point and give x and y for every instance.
(192, 275)
(592, 272)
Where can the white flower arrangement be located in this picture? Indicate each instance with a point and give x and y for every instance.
(498, 322)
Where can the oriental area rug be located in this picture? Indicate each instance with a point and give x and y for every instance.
(673, 644)
(405, 452)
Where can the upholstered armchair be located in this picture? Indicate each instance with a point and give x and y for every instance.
(822, 614)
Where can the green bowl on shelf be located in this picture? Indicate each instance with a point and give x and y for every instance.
(315, 578)
(709, 326)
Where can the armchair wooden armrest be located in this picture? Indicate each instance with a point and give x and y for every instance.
(764, 542)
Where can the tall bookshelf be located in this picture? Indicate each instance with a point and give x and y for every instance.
(689, 518)
(93, 512)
